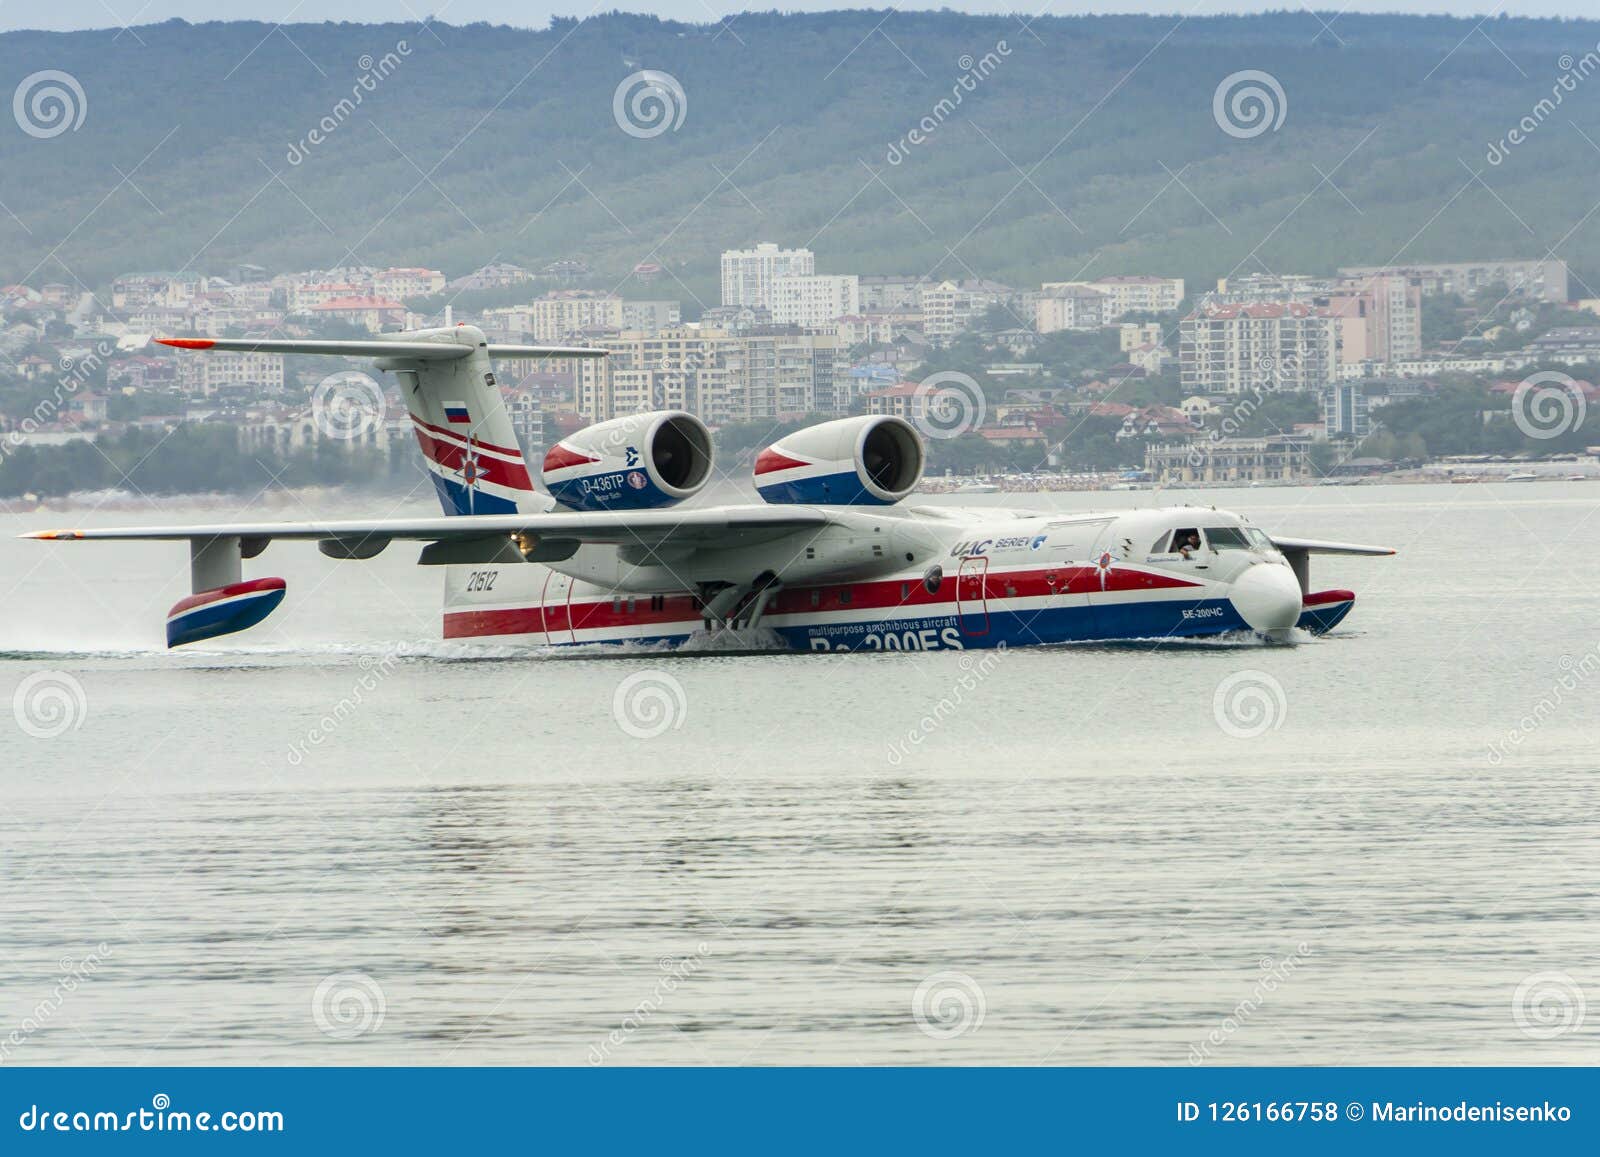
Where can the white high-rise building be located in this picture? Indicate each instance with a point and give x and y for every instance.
(748, 274)
(814, 301)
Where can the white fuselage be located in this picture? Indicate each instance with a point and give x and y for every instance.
(902, 578)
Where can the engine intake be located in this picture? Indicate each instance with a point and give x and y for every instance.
(632, 463)
(870, 461)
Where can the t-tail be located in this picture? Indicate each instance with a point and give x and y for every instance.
(468, 445)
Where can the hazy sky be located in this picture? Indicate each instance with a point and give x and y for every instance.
(63, 14)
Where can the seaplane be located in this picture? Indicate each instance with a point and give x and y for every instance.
(832, 559)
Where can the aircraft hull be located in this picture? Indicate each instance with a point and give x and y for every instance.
(1019, 607)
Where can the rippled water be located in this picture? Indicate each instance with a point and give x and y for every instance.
(1080, 859)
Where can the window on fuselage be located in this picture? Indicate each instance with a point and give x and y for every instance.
(1163, 544)
(1227, 538)
(1186, 540)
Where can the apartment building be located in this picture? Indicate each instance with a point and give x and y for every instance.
(1135, 293)
(230, 370)
(1232, 349)
(716, 375)
(1136, 335)
(651, 316)
(1070, 307)
(1345, 413)
(748, 274)
(813, 301)
(890, 292)
(1380, 318)
(948, 307)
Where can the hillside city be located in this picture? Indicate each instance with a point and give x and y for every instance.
(1417, 371)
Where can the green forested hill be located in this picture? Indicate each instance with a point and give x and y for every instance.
(490, 143)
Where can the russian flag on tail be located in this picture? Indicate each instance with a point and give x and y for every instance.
(456, 414)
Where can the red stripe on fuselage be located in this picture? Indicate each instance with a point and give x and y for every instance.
(883, 594)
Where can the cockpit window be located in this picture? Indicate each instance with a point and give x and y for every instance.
(1227, 538)
(1186, 540)
(1162, 544)
(1259, 539)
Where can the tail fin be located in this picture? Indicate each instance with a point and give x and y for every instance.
(468, 443)
(460, 418)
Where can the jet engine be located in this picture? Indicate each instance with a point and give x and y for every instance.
(870, 461)
(632, 463)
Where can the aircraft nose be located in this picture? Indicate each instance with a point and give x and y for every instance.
(1267, 596)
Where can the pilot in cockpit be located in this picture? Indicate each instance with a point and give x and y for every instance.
(1186, 542)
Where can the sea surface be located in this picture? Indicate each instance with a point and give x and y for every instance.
(338, 839)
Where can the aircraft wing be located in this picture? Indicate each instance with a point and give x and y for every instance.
(706, 526)
(1318, 546)
(223, 601)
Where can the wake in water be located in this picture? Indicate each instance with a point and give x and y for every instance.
(367, 654)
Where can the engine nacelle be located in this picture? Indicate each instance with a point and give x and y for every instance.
(632, 463)
(871, 461)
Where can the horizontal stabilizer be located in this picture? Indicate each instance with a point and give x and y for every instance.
(376, 348)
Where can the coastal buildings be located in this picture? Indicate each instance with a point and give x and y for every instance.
(1278, 458)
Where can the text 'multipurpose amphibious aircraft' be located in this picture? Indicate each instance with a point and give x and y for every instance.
(833, 561)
